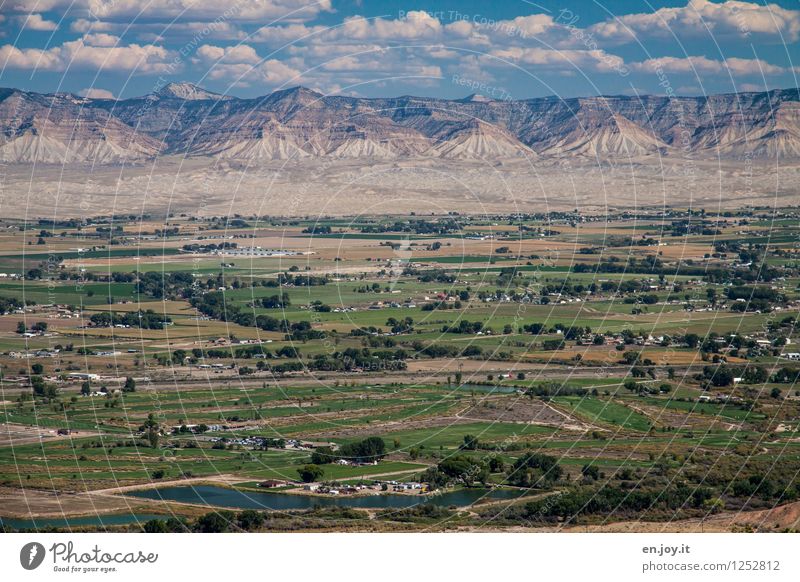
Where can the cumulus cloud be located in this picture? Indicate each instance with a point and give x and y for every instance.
(590, 60)
(272, 72)
(279, 35)
(321, 66)
(421, 26)
(704, 65)
(416, 25)
(242, 65)
(162, 31)
(158, 36)
(234, 54)
(83, 25)
(100, 39)
(36, 22)
(202, 10)
(95, 93)
(82, 54)
(702, 17)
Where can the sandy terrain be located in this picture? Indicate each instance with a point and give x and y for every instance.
(28, 503)
(768, 520)
(522, 410)
(351, 187)
(18, 434)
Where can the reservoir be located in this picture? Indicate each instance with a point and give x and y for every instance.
(237, 499)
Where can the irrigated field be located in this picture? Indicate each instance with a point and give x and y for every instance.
(643, 362)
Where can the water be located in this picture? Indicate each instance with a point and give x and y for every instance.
(232, 498)
(70, 522)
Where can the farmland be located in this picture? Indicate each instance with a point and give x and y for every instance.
(528, 357)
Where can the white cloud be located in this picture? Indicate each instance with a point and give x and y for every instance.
(327, 67)
(82, 25)
(703, 65)
(233, 54)
(81, 54)
(100, 39)
(570, 59)
(175, 32)
(272, 72)
(95, 93)
(280, 35)
(700, 17)
(416, 25)
(242, 64)
(420, 26)
(36, 22)
(201, 10)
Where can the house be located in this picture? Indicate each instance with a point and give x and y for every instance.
(82, 376)
(270, 483)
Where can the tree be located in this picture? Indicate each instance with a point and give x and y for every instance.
(38, 385)
(21, 327)
(37, 368)
(369, 450)
(155, 526)
(130, 385)
(535, 470)
(691, 340)
(630, 358)
(470, 442)
(465, 469)
(755, 375)
(590, 472)
(151, 430)
(496, 464)
(630, 385)
(322, 456)
(86, 388)
(250, 519)
(215, 522)
(310, 473)
(721, 376)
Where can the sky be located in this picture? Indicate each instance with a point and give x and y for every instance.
(509, 49)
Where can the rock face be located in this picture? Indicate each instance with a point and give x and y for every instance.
(64, 129)
(183, 119)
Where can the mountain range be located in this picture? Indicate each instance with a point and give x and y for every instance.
(186, 120)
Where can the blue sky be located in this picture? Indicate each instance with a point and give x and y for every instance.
(514, 49)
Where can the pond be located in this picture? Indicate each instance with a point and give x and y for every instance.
(233, 498)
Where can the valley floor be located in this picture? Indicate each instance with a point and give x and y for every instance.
(207, 187)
